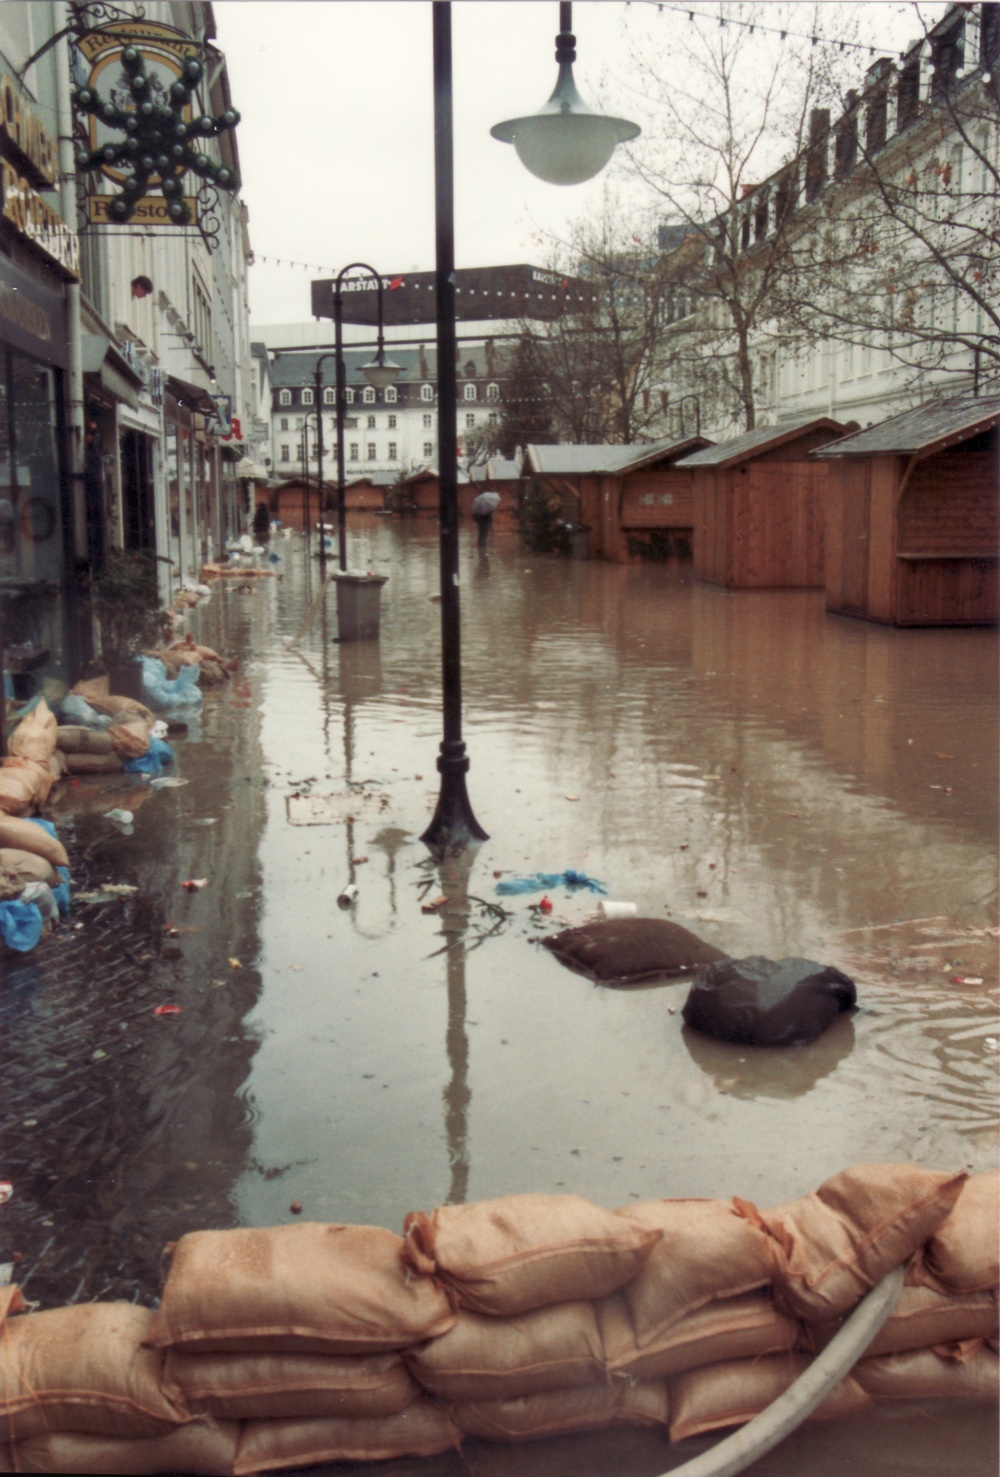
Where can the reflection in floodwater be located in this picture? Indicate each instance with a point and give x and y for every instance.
(779, 1072)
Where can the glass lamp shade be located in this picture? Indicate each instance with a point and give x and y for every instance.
(565, 142)
(381, 371)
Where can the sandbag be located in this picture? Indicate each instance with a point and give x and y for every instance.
(95, 763)
(924, 1374)
(485, 1358)
(114, 706)
(306, 1288)
(520, 1252)
(82, 1368)
(921, 1319)
(35, 734)
(205, 1447)
(212, 674)
(130, 739)
(767, 1002)
(834, 1245)
(28, 835)
(34, 775)
(733, 1392)
(72, 738)
(18, 868)
(729, 1328)
(245, 1386)
(708, 1251)
(631, 950)
(422, 1429)
(11, 1301)
(557, 1412)
(92, 688)
(17, 790)
(963, 1255)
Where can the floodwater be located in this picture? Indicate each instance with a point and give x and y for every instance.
(777, 780)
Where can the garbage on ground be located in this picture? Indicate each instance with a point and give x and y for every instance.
(194, 884)
(540, 881)
(171, 782)
(609, 909)
(631, 951)
(511, 1319)
(167, 1010)
(347, 896)
(767, 1002)
(75, 709)
(120, 817)
(152, 761)
(6, 1191)
(164, 692)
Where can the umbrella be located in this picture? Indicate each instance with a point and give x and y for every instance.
(484, 504)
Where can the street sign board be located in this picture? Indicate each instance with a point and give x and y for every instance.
(480, 293)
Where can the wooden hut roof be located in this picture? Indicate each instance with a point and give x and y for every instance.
(422, 473)
(923, 430)
(570, 461)
(763, 438)
(373, 479)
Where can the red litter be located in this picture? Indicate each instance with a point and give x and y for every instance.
(545, 905)
(167, 1010)
(194, 883)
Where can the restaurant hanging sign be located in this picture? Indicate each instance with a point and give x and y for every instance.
(147, 126)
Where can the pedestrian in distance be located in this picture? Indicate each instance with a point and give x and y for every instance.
(483, 508)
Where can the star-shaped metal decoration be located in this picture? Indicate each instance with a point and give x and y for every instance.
(159, 146)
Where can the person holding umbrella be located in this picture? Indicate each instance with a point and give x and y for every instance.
(483, 508)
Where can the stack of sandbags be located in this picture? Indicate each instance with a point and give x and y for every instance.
(297, 1331)
(213, 670)
(525, 1358)
(80, 1392)
(27, 773)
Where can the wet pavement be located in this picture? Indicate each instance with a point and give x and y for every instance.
(775, 779)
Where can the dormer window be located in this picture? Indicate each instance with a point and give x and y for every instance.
(284, 397)
(307, 396)
(470, 392)
(493, 392)
(390, 395)
(349, 396)
(369, 395)
(329, 396)
(427, 392)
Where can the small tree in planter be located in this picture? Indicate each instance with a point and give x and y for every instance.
(126, 600)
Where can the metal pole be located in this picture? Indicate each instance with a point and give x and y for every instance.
(319, 459)
(453, 823)
(338, 339)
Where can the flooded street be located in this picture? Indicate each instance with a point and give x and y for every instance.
(777, 780)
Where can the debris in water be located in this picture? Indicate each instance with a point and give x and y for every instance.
(434, 906)
(194, 884)
(167, 1010)
(6, 1191)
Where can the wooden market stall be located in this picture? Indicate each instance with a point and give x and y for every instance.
(368, 493)
(295, 502)
(759, 506)
(420, 492)
(497, 474)
(912, 522)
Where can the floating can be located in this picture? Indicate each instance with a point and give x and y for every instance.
(607, 909)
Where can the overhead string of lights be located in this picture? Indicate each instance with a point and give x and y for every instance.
(520, 295)
(783, 32)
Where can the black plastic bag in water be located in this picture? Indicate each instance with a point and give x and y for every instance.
(767, 1002)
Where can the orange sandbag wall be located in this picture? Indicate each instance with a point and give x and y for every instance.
(509, 1320)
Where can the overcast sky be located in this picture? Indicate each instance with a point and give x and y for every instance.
(336, 138)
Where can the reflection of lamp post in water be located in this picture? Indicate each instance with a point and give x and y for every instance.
(564, 143)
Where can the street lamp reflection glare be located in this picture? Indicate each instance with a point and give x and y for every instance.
(565, 142)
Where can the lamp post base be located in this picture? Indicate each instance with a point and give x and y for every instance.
(359, 606)
(453, 823)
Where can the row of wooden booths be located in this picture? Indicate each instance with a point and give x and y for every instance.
(897, 522)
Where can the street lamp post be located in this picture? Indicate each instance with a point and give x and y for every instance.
(565, 126)
(318, 382)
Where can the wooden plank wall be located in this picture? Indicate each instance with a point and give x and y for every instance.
(711, 525)
(658, 498)
(950, 504)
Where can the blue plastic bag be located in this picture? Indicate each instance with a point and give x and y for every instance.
(541, 880)
(20, 925)
(159, 691)
(156, 756)
(76, 709)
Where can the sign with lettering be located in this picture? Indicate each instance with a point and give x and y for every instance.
(26, 137)
(36, 222)
(409, 298)
(151, 210)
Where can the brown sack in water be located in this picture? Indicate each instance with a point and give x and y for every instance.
(733, 1392)
(835, 1244)
(110, 763)
(921, 1319)
(493, 1358)
(72, 738)
(521, 1252)
(422, 1429)
(18, 868)
(83, 1368)
(244, 1386)
(311, 1288)
(130, 738)
(963, 1255)
(115, 705)
(206, 1447)
(25, 785)
(35, 735)
(556, 1412)
(25, 835)
(729, 1328)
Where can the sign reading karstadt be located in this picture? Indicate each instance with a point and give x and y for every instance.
(480, 293)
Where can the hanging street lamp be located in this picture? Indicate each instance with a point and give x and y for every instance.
(577, 144)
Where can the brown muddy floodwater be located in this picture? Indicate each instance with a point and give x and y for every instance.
(776, 779)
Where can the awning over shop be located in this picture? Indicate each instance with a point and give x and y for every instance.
(100, 357)
(252, 470)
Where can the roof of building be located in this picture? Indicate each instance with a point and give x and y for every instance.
(258, 350)
(290, 368)
(762, 438)
(496, 469)
(925, 429)
(569, 461)
(421, 474)
(374, 479)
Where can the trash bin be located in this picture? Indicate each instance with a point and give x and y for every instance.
(579, 541)
(359, 605)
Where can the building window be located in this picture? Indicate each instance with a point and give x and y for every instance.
(390, 395)
(329, 396)
(352, 454)
(349, 396)
(428, 448)
(492, 419)
(284, 454)
(427, 392)
(371, 451)
(427, 422)
(284, 397)
(392, 422)
(371, 422)
(369, 394)
(307, 396)
(284, 423)
(470, 421)
(493, 392)
(470, 392)
(392, 451)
